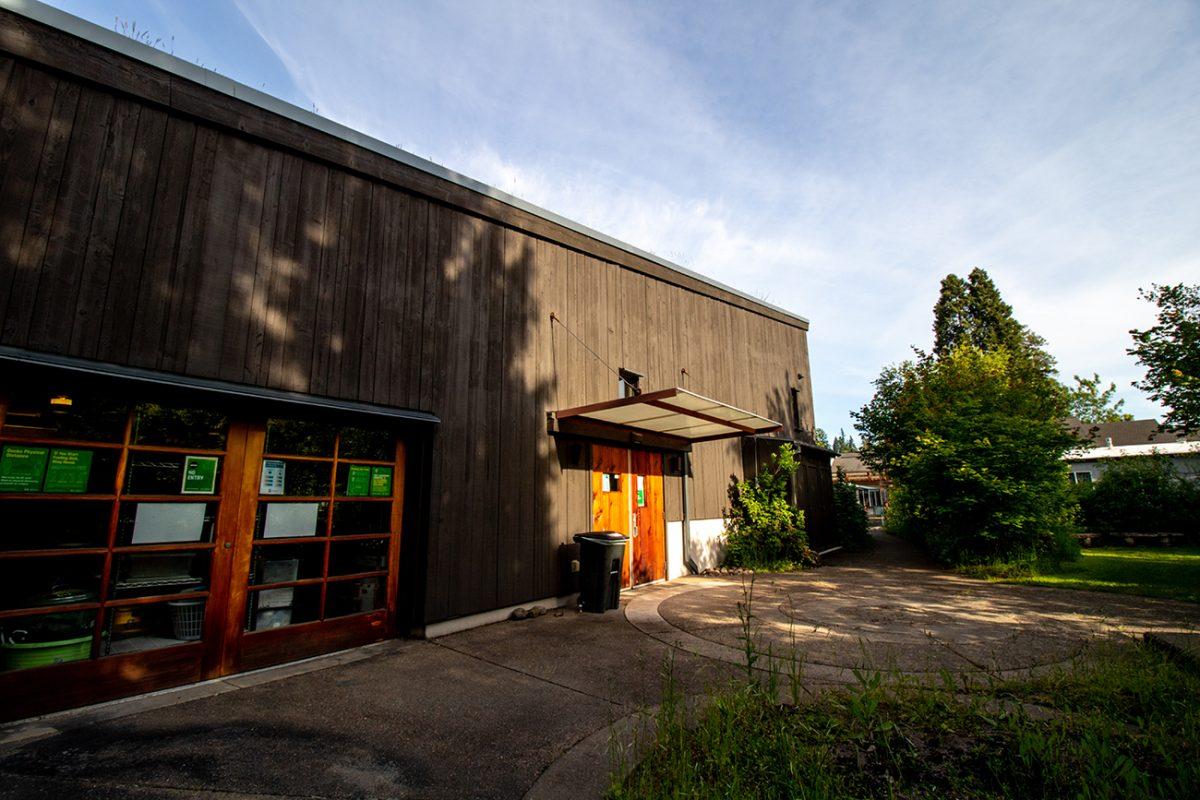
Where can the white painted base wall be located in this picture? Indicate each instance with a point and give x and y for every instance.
(708, 545)
(676, 568)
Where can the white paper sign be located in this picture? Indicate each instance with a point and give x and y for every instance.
(168, 522)
(285, 520)
(276, 598)
(273, 472)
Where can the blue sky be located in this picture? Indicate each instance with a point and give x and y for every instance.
(837, 159)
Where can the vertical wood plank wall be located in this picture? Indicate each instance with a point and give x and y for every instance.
(138, 235)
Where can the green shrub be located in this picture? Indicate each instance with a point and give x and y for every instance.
(850, 521)
(763, 529)
(1142, 494)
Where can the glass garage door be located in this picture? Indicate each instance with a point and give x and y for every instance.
(322, 539)
(149, 544)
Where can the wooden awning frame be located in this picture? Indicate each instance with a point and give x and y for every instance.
(669, 413)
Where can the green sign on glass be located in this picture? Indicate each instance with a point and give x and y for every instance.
(22, 468)
(68, 471)
(381, 481)
(358, 481)
(199, 475)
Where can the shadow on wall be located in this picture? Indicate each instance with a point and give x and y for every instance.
(136, 237)
(494, 532)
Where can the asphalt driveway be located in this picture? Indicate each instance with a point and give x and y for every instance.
(501, 710)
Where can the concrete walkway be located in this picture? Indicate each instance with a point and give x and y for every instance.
(526, 707)
(890, 609)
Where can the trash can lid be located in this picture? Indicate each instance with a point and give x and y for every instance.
(601, 537)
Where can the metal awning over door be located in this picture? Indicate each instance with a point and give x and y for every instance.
(674, 413)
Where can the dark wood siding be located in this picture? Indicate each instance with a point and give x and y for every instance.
(151, 222)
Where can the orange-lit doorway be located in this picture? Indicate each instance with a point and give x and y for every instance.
(627, 497)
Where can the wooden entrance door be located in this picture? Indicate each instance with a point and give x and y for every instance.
(611, 501)
(627, 498)
(649, 528)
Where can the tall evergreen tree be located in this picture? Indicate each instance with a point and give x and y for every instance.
(993, 325)
(949, 315)
(972, 312)
(843, 443)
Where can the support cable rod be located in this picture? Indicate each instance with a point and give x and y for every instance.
(554, 318)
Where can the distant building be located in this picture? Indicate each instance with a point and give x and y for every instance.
(872, 486)
(1139, 437)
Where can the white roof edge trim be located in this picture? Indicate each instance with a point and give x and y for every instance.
(89, 31)
(1125, 451)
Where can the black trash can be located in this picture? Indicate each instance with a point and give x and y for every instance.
(600, 555)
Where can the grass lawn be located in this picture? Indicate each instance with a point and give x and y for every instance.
(1172, 572)
(1124, 724)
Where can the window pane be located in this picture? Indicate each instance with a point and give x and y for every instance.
(144, 574)
(179, 427)
(40, 582)
(354, 597)
(65, 414)
(364, 480)
(131, 629)
(351, 517)
(287, 520)
(38, 641)
(373, 443)
(164, 523)
(276, 608)
(47, 524)
(286, 562)
(365, 555)
(299, 438)
(285, 477)
(162, 473)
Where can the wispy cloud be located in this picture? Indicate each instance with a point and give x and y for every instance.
(838, 160)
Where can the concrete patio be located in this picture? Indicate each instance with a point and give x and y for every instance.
(525, 708)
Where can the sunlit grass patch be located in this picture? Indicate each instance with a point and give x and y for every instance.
(1150, 571)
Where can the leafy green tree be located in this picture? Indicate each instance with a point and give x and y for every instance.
(973, 443)
(971, 435)
(1170, 352)
(762, 527)
(820, 438)
(1089, 403)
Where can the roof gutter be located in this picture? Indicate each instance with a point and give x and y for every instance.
(28, 358)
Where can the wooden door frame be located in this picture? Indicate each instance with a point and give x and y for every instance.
(225, 552)
(237, 528)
